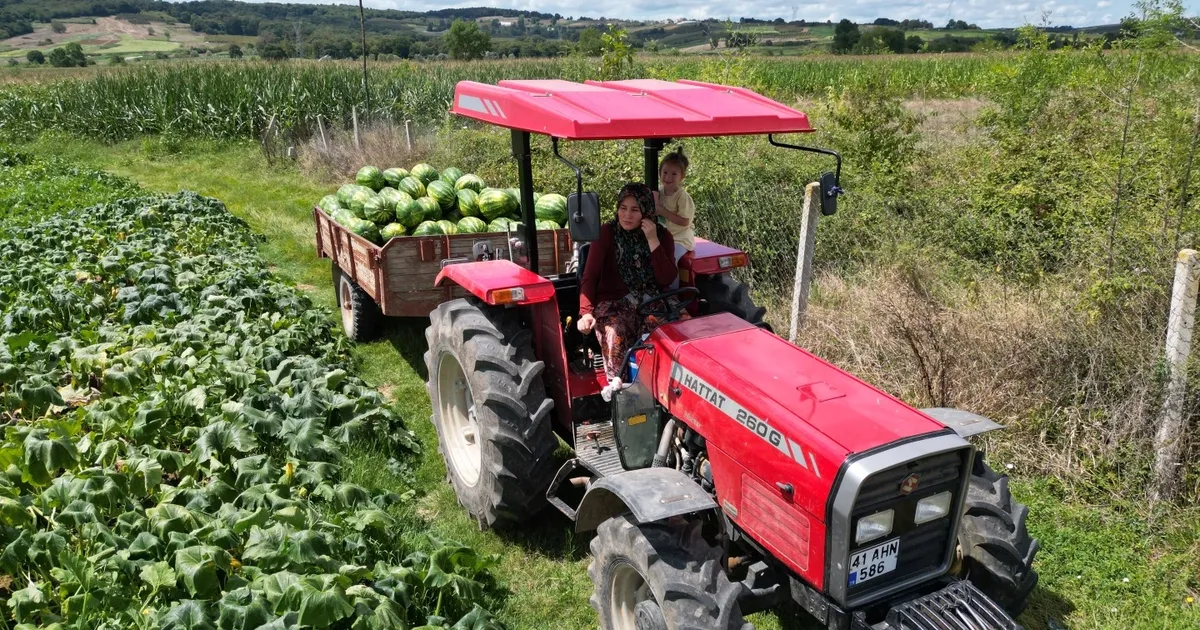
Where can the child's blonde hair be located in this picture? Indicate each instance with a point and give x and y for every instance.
(677, 158)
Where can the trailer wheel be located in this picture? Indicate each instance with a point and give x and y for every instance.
(361, 318)
(490, 410)
(725, 294)
(655, 577)
(997, 550)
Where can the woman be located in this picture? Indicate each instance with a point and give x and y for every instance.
(633, 259)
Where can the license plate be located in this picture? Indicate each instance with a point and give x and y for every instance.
(869, 564)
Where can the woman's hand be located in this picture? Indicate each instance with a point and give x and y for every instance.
(586, 323)
(650, 229)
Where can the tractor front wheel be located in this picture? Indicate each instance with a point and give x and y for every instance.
(490, 410)
(997, 550)
(659, 577)
(724, 294)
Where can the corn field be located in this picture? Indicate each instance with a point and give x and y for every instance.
(237, 99)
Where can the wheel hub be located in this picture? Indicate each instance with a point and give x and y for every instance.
(631, 603)
(347, 300)
(459, 426)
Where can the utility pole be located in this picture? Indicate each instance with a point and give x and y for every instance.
(362, 22)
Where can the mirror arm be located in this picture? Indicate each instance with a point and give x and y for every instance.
(837, 177)
(578, 180)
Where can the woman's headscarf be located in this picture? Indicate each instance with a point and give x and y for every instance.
(633, 251)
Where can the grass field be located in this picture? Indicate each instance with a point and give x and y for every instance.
(1102, 565)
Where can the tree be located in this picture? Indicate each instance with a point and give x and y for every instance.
(68, 56)
(617, 54)
(272, 52)
(235, 51)
(845, 37)
(589, 42)
(35, 56)
(58, 27)
(466, 41)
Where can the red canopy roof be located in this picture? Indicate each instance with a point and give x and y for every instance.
(613, 110)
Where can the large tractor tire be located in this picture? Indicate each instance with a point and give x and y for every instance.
(655, 577)
(490, 410)
(724, 294)
(997, 551)
(361, 318)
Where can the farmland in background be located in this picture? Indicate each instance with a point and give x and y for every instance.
(1005, 247)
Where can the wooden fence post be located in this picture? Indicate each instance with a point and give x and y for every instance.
(324, 134)
(804, 257)
(357, 137)
(1168, 442)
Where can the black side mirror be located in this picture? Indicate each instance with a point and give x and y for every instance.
(583, 216)
(829, 194)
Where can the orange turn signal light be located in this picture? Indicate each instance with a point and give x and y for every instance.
(508, 296)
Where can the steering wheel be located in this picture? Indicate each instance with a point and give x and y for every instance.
(659, 307)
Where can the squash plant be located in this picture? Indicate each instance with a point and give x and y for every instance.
(175, 419)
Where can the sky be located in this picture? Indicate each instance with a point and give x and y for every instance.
(986, 13)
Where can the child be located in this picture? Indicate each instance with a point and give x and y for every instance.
(676, 205)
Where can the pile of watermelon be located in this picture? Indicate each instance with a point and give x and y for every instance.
(385, 204)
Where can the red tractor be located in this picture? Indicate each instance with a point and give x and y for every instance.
(738, 471)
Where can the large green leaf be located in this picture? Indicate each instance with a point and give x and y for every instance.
(45, 456)
(158, 575)
(197, 568)
(223, 440)
(27, 602)
(186, 615)
(242, 609)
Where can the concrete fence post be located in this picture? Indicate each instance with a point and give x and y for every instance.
(1168, 441)
(408, 134)
(357, 137)
(804, 257)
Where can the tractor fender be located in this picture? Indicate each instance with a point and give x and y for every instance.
(650, 494)
(964, 423)
(494, 282)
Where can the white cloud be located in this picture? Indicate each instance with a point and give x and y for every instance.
(985, 13)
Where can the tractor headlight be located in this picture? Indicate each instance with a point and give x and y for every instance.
(874, 526)
(932, 507)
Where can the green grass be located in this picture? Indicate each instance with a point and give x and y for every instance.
(134, 45)
(1088, 551)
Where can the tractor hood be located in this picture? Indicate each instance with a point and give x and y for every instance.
(793, 390)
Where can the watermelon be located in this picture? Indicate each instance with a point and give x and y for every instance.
(343, 217)
(430, 210)
(358, 201)
(470, 181)
(344, 193)
(409, 213)
(448, 227)
(504, 224)
(515, 193)
(424, 172)
(376, 210)
(543, 224)
(471, 225)
(412, 187)
(452, 214)
(442, 193)
(551, 207)
(371, 177)
(329, 203)
(451, 175)
(392, 197)
(468, 202)
(495, 203)
(365, 229)
(392, 230)
(393, 176)
(427, 228)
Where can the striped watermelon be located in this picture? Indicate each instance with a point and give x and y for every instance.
(430, 209)
(393, 176)
(551, 207)
(329, 203)
(468, 202)
(409, 213)
(470, 181)
(495, 203)
(448, 227)
(427, 228)
(451, 175)
(412, 187)
(442, 193)
(471, 225)
(370, 177)
(392, 230)
(543, 224)
(425, 173)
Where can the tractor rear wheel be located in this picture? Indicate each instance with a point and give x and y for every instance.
(725, 294)
(997, 550)
(657, 577)
(490, 410)
(361, 318)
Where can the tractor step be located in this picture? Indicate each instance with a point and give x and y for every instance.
(959, 606)
(596, 446)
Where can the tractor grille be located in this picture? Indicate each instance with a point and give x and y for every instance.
(922, 547)
(959, 606)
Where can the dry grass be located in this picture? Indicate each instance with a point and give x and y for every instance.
(336, 158)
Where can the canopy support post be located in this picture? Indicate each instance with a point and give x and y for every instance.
(524, 156)
(650, 149)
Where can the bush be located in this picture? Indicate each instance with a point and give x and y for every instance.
(58, 27)
(68, 56)
(35, 56)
